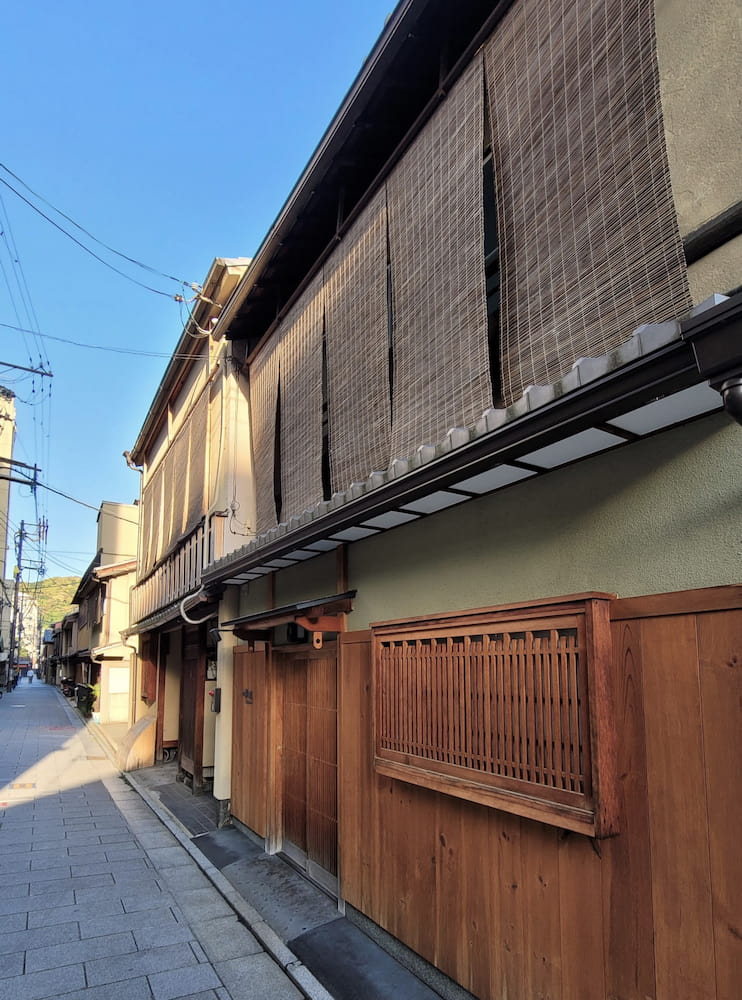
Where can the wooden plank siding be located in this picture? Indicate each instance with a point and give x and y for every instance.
(512, 908)
(250, 707)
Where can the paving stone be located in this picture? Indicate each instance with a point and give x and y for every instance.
(169, 857)
(157, 838)
(206, 904)
(183, 982)
(40, 887)
(28, 903)
(162, 934)
(76, 911)
(142, 963)
(82, 837)
(15, 891)
(185, 877)
(256, 977)
(147, 887)
(132, 989)
(36, 985)
(57, 955)
(24, 940)
(11, 965)
(143, 920)
(225, 938)
(114, 867)
(10, 922)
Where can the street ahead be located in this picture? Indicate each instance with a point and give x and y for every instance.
(98, 900)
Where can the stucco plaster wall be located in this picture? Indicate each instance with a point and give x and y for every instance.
(720, 271)
(659, 515)
(700, 59)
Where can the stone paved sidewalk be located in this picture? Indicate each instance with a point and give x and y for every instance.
(98, 900)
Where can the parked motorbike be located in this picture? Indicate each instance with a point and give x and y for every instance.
(67, 685)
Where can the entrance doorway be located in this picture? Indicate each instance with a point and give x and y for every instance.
(308, 683)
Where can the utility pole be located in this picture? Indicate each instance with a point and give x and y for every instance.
(13, 620)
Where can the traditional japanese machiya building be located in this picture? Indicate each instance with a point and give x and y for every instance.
(477, 655)
(193, 453)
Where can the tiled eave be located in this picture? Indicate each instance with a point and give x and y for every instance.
(651, 382)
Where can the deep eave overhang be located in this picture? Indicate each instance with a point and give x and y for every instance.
(663, 372)
(422, 50)
(181, 359)
(318, 607)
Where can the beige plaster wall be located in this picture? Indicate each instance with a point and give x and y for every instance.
(312, 578)
(660, 515)
(118, 527)
(720, 271)
(228, 608)
(700, 59)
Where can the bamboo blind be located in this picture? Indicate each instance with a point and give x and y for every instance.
(264, 373)
(436, 227)
(590, 247)
(197, 486)
(301, 401)
(506, 708)
(175, 466)
(358, 349)
(152, 503)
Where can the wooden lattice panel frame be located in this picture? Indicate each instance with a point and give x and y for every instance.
(509, 707)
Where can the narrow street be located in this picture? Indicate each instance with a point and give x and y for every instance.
(98, 900)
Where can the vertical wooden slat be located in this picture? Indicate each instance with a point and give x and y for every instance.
(720, 643)
(681, 877)
(541, 917)
(628, 943)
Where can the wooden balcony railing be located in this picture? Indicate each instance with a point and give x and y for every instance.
(177, 576)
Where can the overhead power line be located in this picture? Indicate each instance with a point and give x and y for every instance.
(118, 253)
(101, 347)
(101, 260)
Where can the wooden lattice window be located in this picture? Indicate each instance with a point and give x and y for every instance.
(509, 707)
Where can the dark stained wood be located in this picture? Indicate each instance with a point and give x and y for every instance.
(679, 840)
(191, 725)
(682, 602)
(148, 661)
(250, 703)
(161, 678)
(720, 645)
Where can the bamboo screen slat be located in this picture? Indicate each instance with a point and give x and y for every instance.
(509, 707)
(263, 397)
(590, 247)
(175, 467)
(358, 349)
(441, 363)
(301, 402)
(152, 502)
(197, 485)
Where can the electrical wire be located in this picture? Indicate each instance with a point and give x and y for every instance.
(101, 260)
(118, 253)
(101, 347)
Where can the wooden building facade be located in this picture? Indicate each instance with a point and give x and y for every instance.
(479, 662)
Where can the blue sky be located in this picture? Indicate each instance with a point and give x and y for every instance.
(174, 133)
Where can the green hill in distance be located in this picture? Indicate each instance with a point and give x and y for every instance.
(53, 596)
